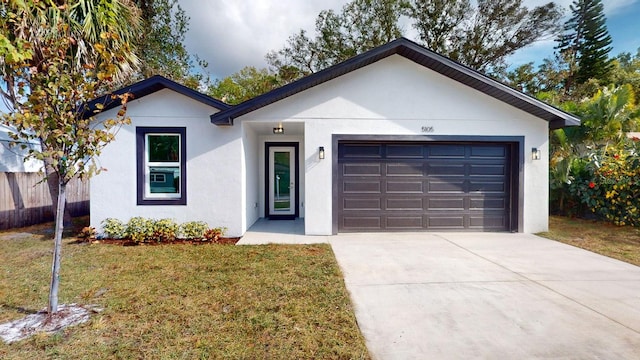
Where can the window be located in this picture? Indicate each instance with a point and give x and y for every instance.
(157, 178)
(161, 162)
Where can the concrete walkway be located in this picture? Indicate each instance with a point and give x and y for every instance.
(266, 231)
(489, 296)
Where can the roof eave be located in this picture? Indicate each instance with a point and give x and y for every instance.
(416, 53)
(224, 121)
(559, 123)
(150, 86)
(556, 117)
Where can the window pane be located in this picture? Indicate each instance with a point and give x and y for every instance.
(164, 148)
(282, 199)
(158, 177)
(164, 180)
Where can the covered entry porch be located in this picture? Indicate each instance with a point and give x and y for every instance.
(274, 178)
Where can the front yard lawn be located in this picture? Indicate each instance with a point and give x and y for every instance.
(182, 301)
(618, 242)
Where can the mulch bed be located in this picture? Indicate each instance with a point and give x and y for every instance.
(67, 315)
(127, 242)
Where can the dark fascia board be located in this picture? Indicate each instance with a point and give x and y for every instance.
(420, 55)
(150, 86)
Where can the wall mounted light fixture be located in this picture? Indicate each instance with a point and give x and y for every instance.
(321, 152)
(536, 154)
(279, 129)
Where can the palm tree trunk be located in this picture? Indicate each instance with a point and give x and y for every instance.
(57, 249)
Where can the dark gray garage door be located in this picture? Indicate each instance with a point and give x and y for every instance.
(424, 186)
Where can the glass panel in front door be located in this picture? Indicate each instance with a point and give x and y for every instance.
(282, 181)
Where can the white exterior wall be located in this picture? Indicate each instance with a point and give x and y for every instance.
(12, 158)
(252, 185)
(395, 96)
(215, 166)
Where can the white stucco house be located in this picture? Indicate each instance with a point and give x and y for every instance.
(395, 139)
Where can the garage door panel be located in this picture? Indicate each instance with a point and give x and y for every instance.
(446, 151)
(446, 169)
(487, 203)
(415, 169)
(499, 169)
(358, 169)
(404, 223)
(445, 222)
(424, 186)
(361, 187)
(361, 151)
(488, 152)
(404, 187)
(362, 204)
(446, 203)
(487, 221)
(408, 151)
(404, 204)
(361, 223)
(443, 186)
(488, 187)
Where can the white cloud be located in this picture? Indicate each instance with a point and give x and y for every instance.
(232, 34)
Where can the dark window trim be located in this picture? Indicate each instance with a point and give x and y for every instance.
(140, 164)
(517, 165)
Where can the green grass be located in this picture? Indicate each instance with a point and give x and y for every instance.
(618, 242)
(183, 301)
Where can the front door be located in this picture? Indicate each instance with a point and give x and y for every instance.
(282, 175)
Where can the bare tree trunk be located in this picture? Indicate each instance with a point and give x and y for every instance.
(53, 183)
(57, 250)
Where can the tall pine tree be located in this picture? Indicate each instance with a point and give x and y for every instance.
(585, 42)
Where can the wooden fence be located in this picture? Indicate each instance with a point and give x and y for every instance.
(24, 201)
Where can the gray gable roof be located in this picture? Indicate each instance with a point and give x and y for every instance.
(418, 54)
(150, 86)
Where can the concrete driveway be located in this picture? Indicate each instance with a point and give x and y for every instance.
(489, 296)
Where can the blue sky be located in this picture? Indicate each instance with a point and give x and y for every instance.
(623, 23)
(624, 27)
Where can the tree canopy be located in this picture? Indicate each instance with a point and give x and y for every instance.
(160, 45)
(244, 85)
(480, 36)
(361, 25)
(586, 43)
(88, 20)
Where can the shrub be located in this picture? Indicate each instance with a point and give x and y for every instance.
(139, 229)
(87, 233)
(214, 234)
(164, 230)
(113, 228)
(194, 230)
(611, 187)
(617, 190)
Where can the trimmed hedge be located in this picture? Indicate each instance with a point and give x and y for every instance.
(141, 229)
